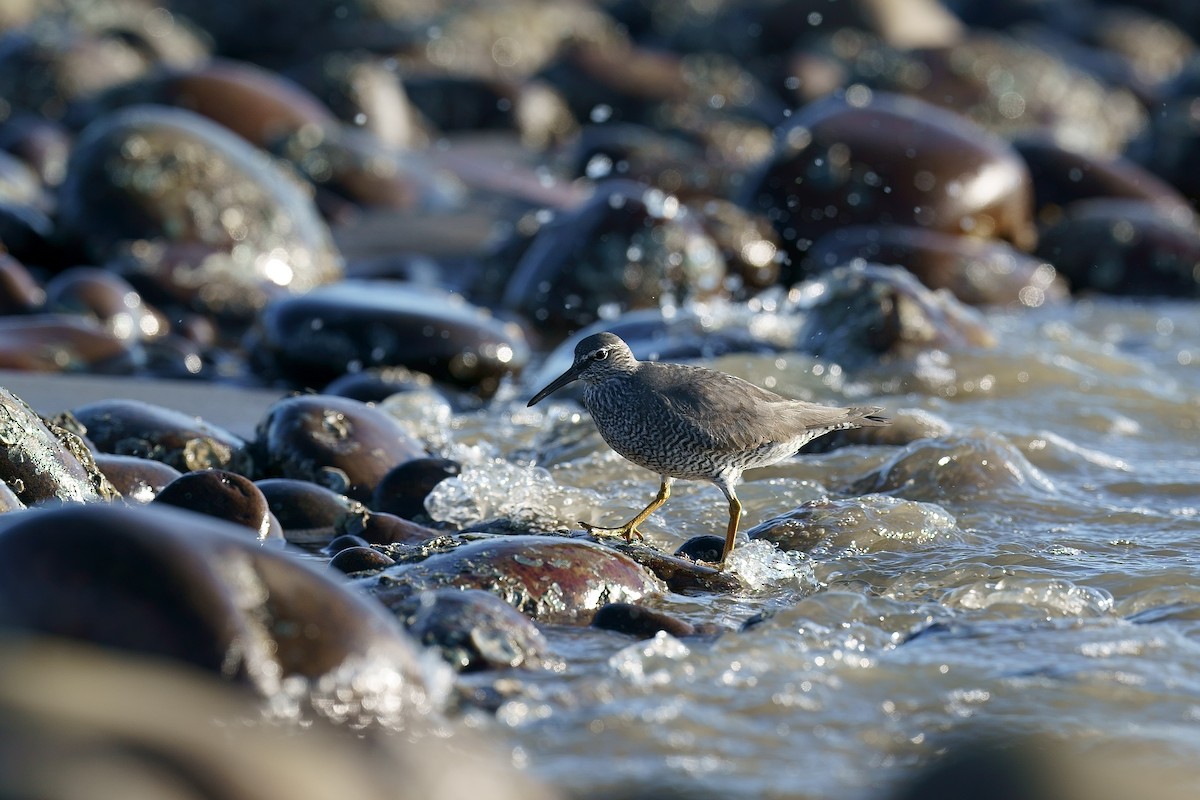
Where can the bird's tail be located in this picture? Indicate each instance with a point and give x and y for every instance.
(866, 416)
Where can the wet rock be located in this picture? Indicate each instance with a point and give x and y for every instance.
(27, 233)
(674, 163)
(366, 91)
(682, 571)
(139, 480)
(1062, 176)
(862, 312)
(550, 579)
(1125, 247)
(641, 622)
(62, 343)
(890, 160)
(379, 527)
(345, 542)
(166, 582)
(41, 143)
(106, 298)
(130, 196)
(867, 524)
(1009, 86)
(978, 272)
(19, 291)
(960, 468)
(310, 340)
(9, 500)
(625, 248)
(44, 68)
(359, 559)
(145, 430)
(308, 513)
(377, 383)
(42, 462)
(20, 185)
(474, 630)
(403, 490)
(342, 444)
(225, 495)
(705, 547)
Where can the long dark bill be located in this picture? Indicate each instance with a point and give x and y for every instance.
(556, 384)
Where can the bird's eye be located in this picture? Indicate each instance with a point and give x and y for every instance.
(599, 355)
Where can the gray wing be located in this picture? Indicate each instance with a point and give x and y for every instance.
(734, 415)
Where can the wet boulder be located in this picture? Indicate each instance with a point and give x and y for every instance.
(42, 462)
(862, 312)
(626, 248)
(976, 271)
(473, 630)
(139, 480)
(106, 298)
(63, 343)
(869, 523)
(403, 490)
(191, 212)
(1125, 247)
(185, 587)
(961, 469)
(225, 495)
(146, 430)
(311, 340)
(336, 442)
(548, 578)
(890, 160)
(310, 514)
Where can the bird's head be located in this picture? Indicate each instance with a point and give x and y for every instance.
(597, 358)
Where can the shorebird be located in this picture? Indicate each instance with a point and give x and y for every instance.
(692, 423)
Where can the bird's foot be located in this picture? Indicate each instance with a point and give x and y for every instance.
(628, 530)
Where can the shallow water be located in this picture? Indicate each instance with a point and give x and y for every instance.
(1035, 570)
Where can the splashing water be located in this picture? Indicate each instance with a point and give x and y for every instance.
(525, 495)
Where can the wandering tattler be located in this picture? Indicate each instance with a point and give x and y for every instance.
(692, 423)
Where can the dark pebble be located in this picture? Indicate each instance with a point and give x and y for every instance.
(139, 480)
(705, 547)
(146, 430)
(342, 444)
(641, 622)
(360, 559)
(403, 490)
(225, 495)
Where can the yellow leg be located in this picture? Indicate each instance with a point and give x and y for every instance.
(629, 529)
(735, 515)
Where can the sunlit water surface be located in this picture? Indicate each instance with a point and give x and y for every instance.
(1057, 594)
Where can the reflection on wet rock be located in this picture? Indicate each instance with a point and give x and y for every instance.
(550, 579)
(1125, 247)
(193, 211)
(42, 462)
(627, 247)
(312, 339)
(342, 444)
(863, 311)
(139, 480)
(225, 495)
(137, 428)
(169, 583)
(887, 160)
(958, 469)
(869, 523)
(978, 272)
(473, 629)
